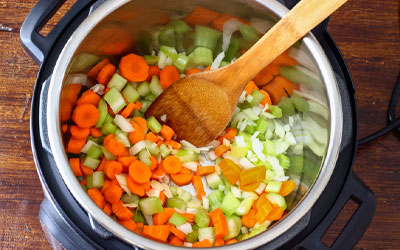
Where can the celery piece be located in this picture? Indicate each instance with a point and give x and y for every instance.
(144, 156)
(115, 100)
(150, 59)
(179, 43)
(151, 205)
(91, 163)
(95, 180)
(102, 108)
(226, 182)
(218, 160)
(177, 219)
(164, 150)
(284, 160)
(302, 76)
(176, 202)
(286, 104)
(167, 36)
(108, 128)
(201, 218)
(181, 62)
(145, 105)
(223, 64)
(244, 44)
(189, 51)
(232, 50)
(203, 56)
(186, 155)
(153, 148)
(213, 180)
(261, 126)
(130, 93)
(185, 195)
(117, 81)
(269, 147)
(215, 197)
(173, 190)
(153, 124)
(170, 52)
(136, 113)
(248, 33)
(257, 97)
(257, 231)
(130, 199)
(155, 86)
(229, 204)
(98, 140)
(273, 187)
(206, 37)
(143, 89)
(150, 97)
(277, 199)
(179, 26)
(107, 154)
(194, 235)
(249, 129)
(94, 151)
(244, 206)
(108, 118)
(138, 216)
(296, 164)
(207, 233)
(234, 225)
(275, 111)
(300, 103)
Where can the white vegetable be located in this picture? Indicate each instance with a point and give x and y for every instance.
(187, 244)
(258, 148)
(252, 195)
(124, 139)
(186, 228)
(164, 179)
(240, 141)
(149, 219)
(290, 138)
(244, 230)
(260, 188)
(228, 29)
(279, 130)
(163, 118)
(217, 170)
(282, 178)
(153, 193)
(121, 178)
(76, 78)
(303, 59)
(206, 203)
(163, 60)
(135, 149)
(191, 210)
(217, 61)
(98, 89)
(236, 192)
(87, 146)
(123, 123)
(212, 155)
(226, 142)
(261, 25)
(242, 97)
(166, 190)
(192, 165)
(276, 167)
(245, 163)
(257, 110)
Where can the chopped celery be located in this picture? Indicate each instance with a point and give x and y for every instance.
(275, 111)
(102, 107)
(173, 190)
(297, 162)
(163, 60)
(115, 100)
(277, 199)
(95, 180)
(144, 156)
(83, 61)
(248, 33)
(176, 202)
(151, 205)
(108, 128)
(257, 231)
(273, 187)
(153, 148)
(224, 63)
(91, 163)
(269, 147)
(151, 60)
(213, 180)
(249, 129)
(167, 36)
(229, 204)
(150, 97)
(286, 104)
(244, 44)
(145, 105)
(179, 43)
(155, 86)
(98, 140)
(194, 235)
(170, 52)
(202, 56)
(180, 26)
(153, 124)
(164, 150)
(206, 37)
(108, 118)
(232, 50)
(250, 114)
(130, 93)
(130, 199)
(117, 81)
(261, 125)
(216, 197)
(136, 113)
(300, 103)
(240, 151)
(207, 233)
(184, 195)
(143, 89)
(244, 206)
(226, 182)
(186, 155)
(107, 154)
(181, 62)
(284, 160)
(177, 219)
(257, 97)
(94, 151)
(201, 218)
(234, 225)
(138, 216)
(303, 76)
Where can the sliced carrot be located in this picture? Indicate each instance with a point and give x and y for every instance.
(262, 200)
(126, 161)
(220, 150)
(85, 170)
(278, 87)
(263, 212)
(167, 132)
(218, 22)
(75, 145)
(158, 172)
(249, 219)
(173, 144)
(95, 132)
(137, 135)
(157, 232)
(275, 214)
(105, 74)
(208, 68)
(134, 187)
(107, 209)
(139, 172)
(162, 218)
(70, 93)
(287, 187)
(130, 224)
(189, 217)
(284, 59)
(153, 71)
(139, 228)
(96, 69)
(250, 187)
(65, 111)
(267, 98)
(230, 169)
(192, 71)
(141, 122)
(154, 163)
(113, 193)
(113, 146)
(230, 133)
(85, 115)
(252, 175)
(89, 96)
(176, 241)
(111, 168)
(107, 183)
(79, 133)
(198, 186)
(201, 16)
(172, 164)
(178, 233)
(203, 243)
(219, 221)
(250, 87)
(134, 68)
(152, 137)
(75, 164)
(122, 212)
(138, 105)
(219, 242)
(168, 76)
(184, 171)
(181, 179)
(231, 241)
(102, 163)
(128, 110)
(97, 197)
(162, 197)
(84, 182)
(205, 170)
(64, 128)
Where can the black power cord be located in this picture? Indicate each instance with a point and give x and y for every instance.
(394, 123)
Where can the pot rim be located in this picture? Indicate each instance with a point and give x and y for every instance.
(60, 157)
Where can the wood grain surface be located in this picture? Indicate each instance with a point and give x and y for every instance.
(367, 33)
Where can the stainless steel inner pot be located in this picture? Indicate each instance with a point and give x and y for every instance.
(117, 19)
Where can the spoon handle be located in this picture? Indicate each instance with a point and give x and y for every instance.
(301, 19)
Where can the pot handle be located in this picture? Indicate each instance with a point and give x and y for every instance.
(353, 189)
(36, 45)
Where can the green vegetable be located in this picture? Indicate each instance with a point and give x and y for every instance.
(186, 155)
(206, 37)
(232, 50)
(275, 111)
(130, 93)
(215, 197)
(244, 206)
(130, 199)
(179, 26)
(206, 233)
(153, 124)
(257, 97)
(273, 187)
(144, 156)
(108, 128)
(95, 180)
(202, 56)
(277, 199)
(177, 219)
(300, 103)
(102, 108)
(248, 33)
(117, 81)
(151, 205)
(94, 151)
(164, 150)
(194, 235)
(155, 86)
(286, 104)
(176, 202)
(229, 204)
(151, 60)
(261, 125)
(181, 62)
(234, 225)
(107, 154)
(115, 100)
(91, 163)
(138, 216)
(213, 180)
(167, 36)
(143, 89)
(284, 160)
(201, 218)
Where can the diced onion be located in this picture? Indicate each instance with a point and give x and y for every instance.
(149, 219)
(187, 244)
(121, 178)
(244, 230)
(228, 29)
(153, 193)
(135, 149)
(226, 142)
(212, 155)
(258, 148)
(98, 89)
(240, 141)
(236, 192)
(245, 163)
(260, 188)
(124, 139)
(255, 134)
(167, 191)
(206, 203)
(217, 61)
(192, 165)
(163, 118)
(76, 78)
(181, 211)
(242, 97)
(191, 210)
(123, 123)
(156, 185)
(186, 228)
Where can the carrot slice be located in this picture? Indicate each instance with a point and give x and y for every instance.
(219, 242)
(141, 122)
(134, 68)
(278, 87)
(201, 16)
(97, 197)
(152, 137)
(220, 150)
(85, 115)
(263, 77)
(75, 145)
(107, 183)
(113, 193)
(96, 69)
(287, 187)
(85, 170)
(105, 74)
(230, 170)
(95, 132)
(192, 71)
(250, 87)
(128, 110)
(249, 219)
(154, 163)
(231, 241)
(203, 243)
(178, 233)
(111, 168)
(198, 186)
(130, 224)
(126, 161)
(157, 232)
(153, 71)
(219, 221)
(137, 135)
(205, 170)
(75, 164)
(113, 146)
(181, 179)
(267, 98)
(250, 187)
(89, 96)
(139, 172)
(158, 172)
(107, 209)
(122, 212)
(263, 212)
(79, 133)
(173, 144)
(134, 187)
(172, 164)
(162, 218)
(168, 76)
(275, 214)
(176, 241)
(167, 132)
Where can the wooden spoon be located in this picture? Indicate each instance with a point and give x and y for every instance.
(199, 107)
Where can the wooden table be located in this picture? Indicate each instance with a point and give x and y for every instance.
(367, 33)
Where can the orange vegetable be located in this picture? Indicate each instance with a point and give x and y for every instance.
(134, 187)
(111, 168)
(139, 172)
(102, 163)
(208, 68)
(162, 218)
(220, 150)
(138, 105)
(168, 76)
(105, 74)
(166, 132)
(250, 187)
(85, 170)
(107, 209)
(75, 164)
(128, 110)
(264, 76)
(275, 214)
(139, 228)
(219, 242)
(85, 115)
(134, 68)
(263, 211)
(284, 59)
(219, 221)
(250, 87)
(130, 224)
(287, 187)
(126, 161)
(137, 135)
(249, 219)
(122, 212)
(79, 133)
(113, 146)
(278, 87)
(175, 241)
(267, 98)
(152, 137)
(184, 171)
(153, 71)
(230, 170)
(203, 243)
(200, 15)
(141, 122)
(158, 172)
(157, 232)
(69, 95)
(189, 217)
(97, 197)
(198, 186)
(162, 197)
(178, 233)
(181, 179)
(107, 183)
(218, 22)
(231, 241)
(251, 175)
(75, 145)
(205, 170)
(192, 71)
(89, 97)
(113, 193)
(154, 163)
(230, 133)
(64, 128)
(173, 144)
(172, 164)
(96, 69)
(95, 132)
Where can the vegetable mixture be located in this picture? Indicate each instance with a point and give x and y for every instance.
(137, 171)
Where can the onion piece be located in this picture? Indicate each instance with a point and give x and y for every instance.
(135, 149)
(87, 146)
(206, 203)
(77, 78)
(149, 219)
(217, 61)
(186, 228)
(245, 163)
(98, 89)
(121, 178)
(163, 118)
(228, 29)
(192, 165)
(123, 123)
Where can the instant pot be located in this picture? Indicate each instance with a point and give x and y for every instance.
(70, 219)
